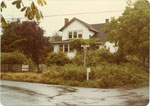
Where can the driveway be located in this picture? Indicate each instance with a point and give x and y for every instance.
(28, 94)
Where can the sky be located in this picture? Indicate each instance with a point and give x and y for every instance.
(57, 7)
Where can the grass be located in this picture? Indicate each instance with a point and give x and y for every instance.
(102, 76)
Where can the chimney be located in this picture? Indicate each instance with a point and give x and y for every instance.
(66, 20)
(106, 21)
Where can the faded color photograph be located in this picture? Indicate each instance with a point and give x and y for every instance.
(75, 52)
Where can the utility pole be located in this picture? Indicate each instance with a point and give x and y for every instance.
(85, 48)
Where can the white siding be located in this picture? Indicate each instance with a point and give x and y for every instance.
(71, 54)
(111, 47)
(56, 48)
(75, 26)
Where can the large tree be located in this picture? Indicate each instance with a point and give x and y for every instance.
(26, 37)
(130, 32)
(56, 37)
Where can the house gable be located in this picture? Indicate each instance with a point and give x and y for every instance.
(79, 27)
(76, 19)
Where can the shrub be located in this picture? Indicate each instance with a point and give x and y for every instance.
(76, 43)
(93, 57)
(105, 75)
(17, 58)
(14, 58)
(57, 59)
(102, 76)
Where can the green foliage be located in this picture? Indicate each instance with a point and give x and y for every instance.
(95, 57)
(56, 37)
(31, 12)
(57, 59)
(14, 58)
(26, 37)
(17, 58)
(92, 42)
(130, 32)
(103, 76)
(76, 43)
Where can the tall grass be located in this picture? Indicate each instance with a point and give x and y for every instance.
(105, 75)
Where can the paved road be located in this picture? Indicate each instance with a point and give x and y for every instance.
(28, 94)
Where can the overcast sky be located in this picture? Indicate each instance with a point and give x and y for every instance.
(56, 7)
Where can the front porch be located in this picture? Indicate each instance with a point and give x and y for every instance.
(64, 46)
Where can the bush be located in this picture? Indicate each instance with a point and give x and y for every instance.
(57, 59)
(17, 58)
(93, 57)
(76, 44)
(105, 75)
(14, 58)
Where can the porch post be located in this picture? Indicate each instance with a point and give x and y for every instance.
(63, 48)
(68, 47)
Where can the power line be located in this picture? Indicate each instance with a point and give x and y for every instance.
(84, 13)
(76, 14)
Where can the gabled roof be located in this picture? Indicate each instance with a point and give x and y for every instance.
(93, 27)
(100, 34)
(84, 23)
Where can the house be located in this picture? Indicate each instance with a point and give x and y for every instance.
(75, 29)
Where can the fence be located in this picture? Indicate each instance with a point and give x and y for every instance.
(12, 67)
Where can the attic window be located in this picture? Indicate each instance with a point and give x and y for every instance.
(75, 34)
(70, 35)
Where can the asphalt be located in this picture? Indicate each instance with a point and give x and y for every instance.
(32, 94)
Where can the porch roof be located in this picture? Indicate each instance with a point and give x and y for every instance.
(61, 42)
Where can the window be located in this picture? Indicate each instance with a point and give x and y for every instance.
(75, 34)
(79, 35)
(71, 48)
(70, 35)
(61, 48)
(66, 48)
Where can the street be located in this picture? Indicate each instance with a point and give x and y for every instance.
(27, 94)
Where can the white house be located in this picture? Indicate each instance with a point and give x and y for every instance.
(74, 29)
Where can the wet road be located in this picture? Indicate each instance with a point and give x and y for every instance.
(28, 94)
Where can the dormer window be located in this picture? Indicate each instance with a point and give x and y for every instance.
(70, 35)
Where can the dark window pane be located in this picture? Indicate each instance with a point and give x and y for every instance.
(61, 48)
(75, 34)
(80, 35)
(70, 34)
(71, 49)
(66, 48)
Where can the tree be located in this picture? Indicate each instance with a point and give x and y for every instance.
(76, 43)
(130, 32)
(26, 37)
(57, 59)
(56, 37)
(31, 12)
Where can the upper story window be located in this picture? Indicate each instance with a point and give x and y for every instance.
(70, 35)
(79, 35)
(75, 34)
